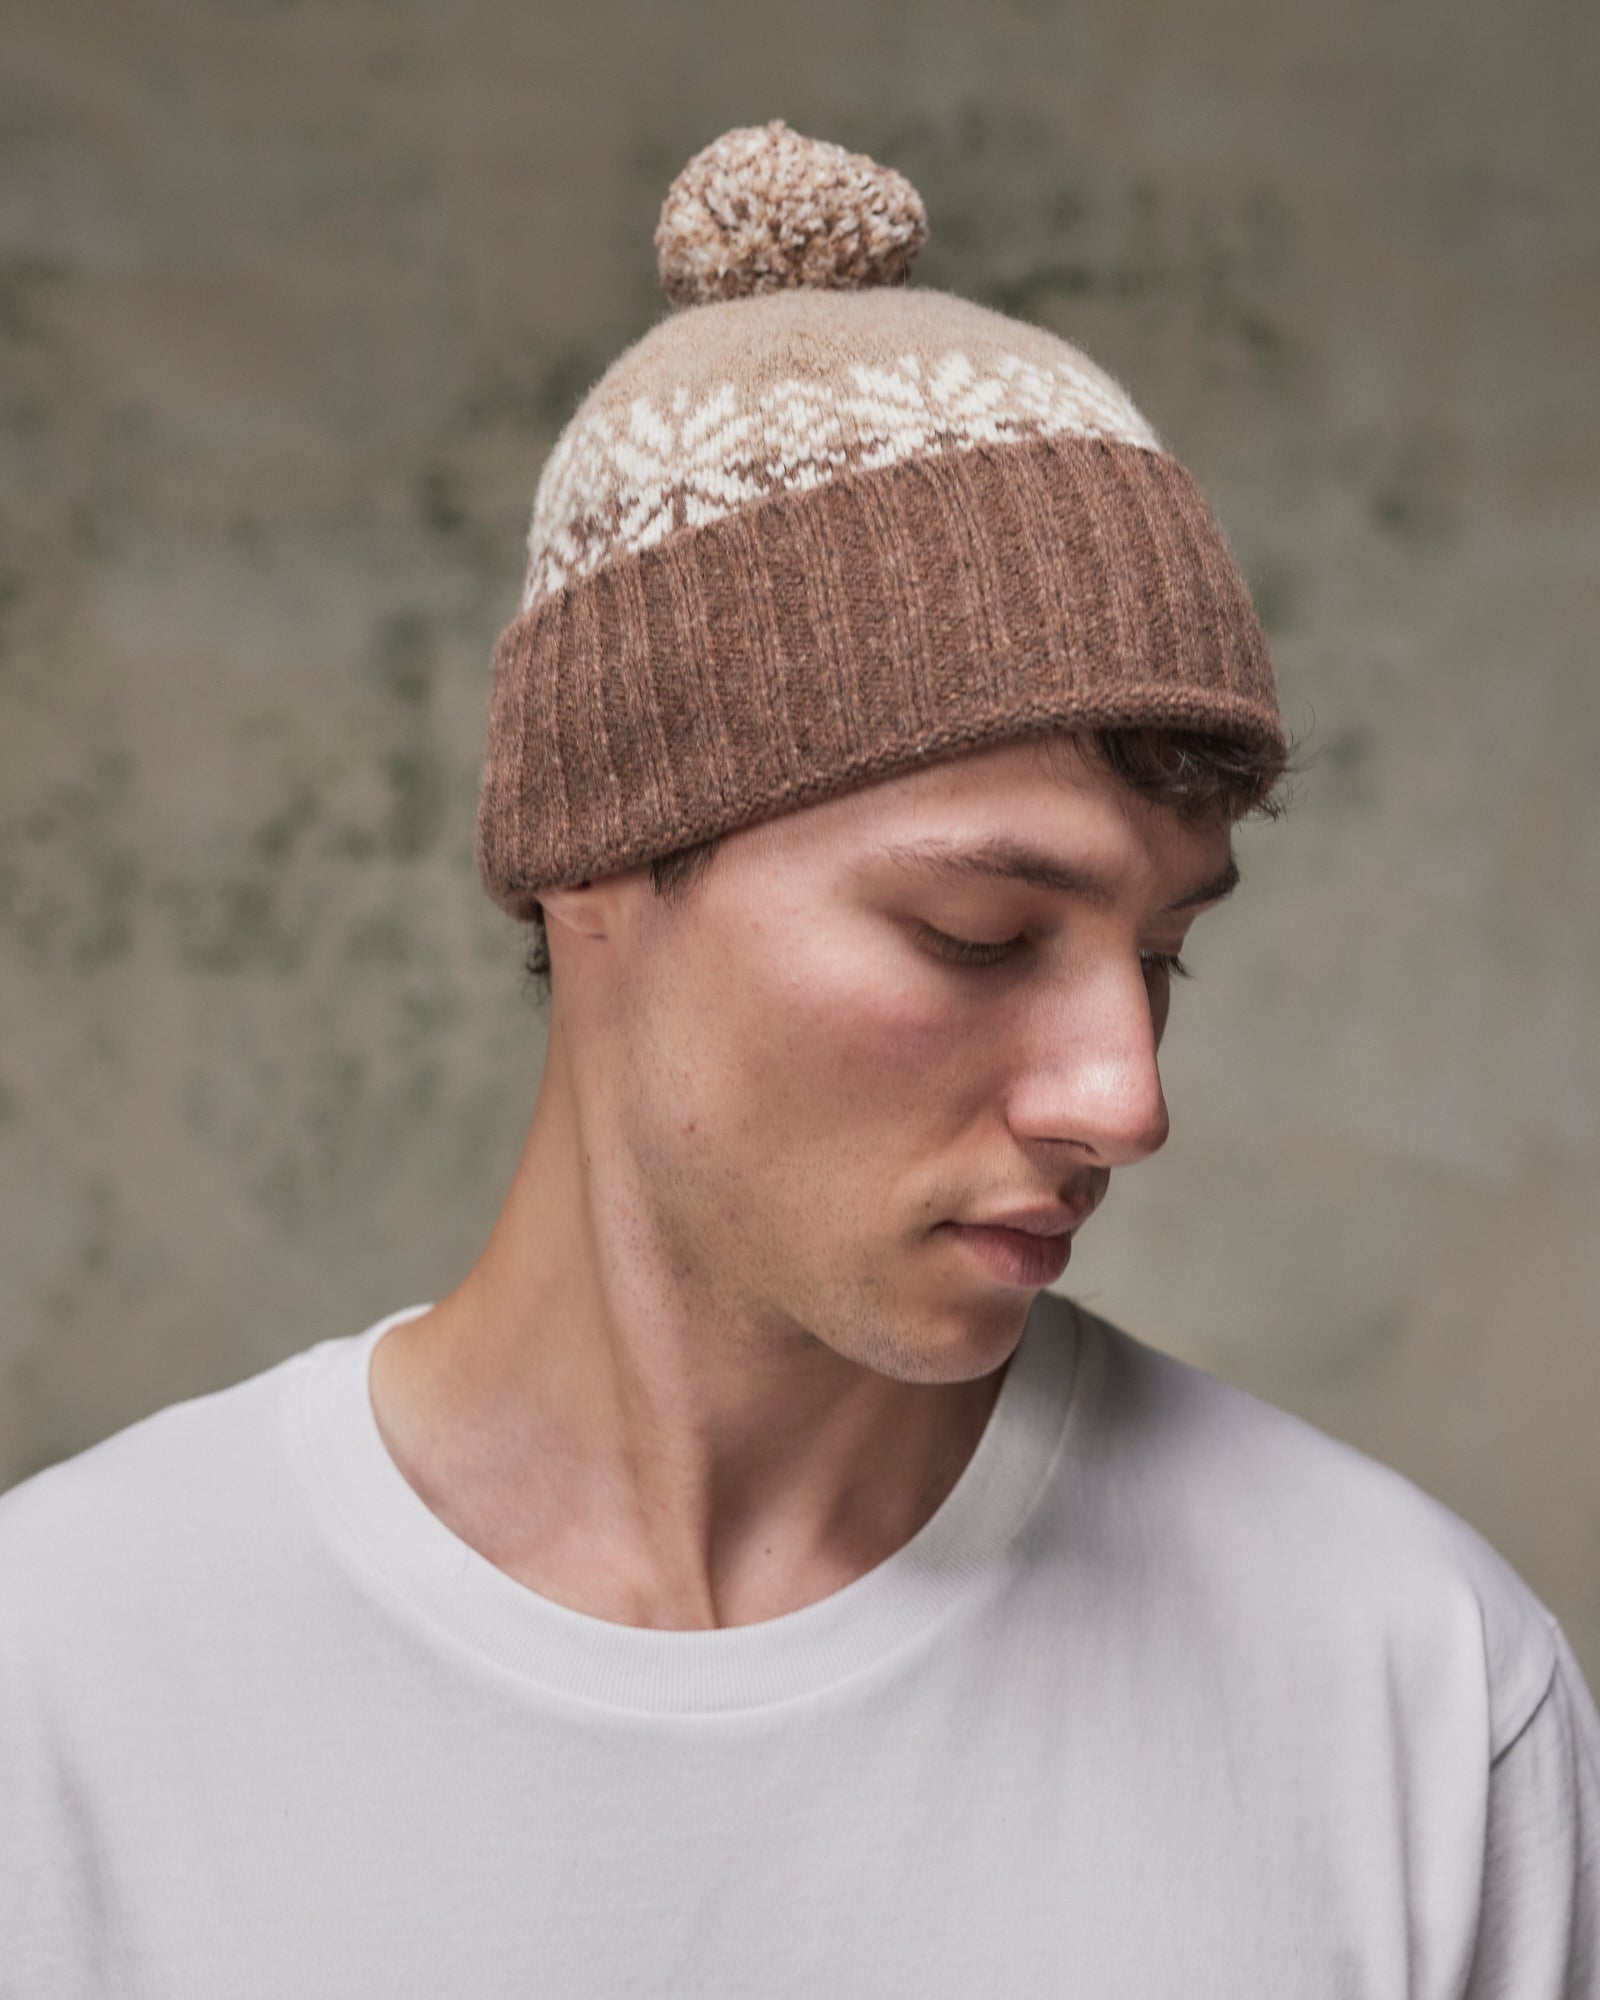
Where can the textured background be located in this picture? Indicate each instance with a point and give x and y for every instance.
(293, 300)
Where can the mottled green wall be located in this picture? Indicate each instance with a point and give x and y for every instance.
(293, 300)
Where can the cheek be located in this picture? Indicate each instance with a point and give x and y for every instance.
(835, 1050)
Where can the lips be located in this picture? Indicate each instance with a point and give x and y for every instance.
(1027, 1257)
(1035, 1221)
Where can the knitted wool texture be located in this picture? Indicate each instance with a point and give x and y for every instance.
(815, 528)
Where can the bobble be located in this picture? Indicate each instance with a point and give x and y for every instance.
(763, 208)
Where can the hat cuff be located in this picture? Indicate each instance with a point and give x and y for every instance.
(827, 638)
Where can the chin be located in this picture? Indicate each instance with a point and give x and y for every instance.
(952, 1345)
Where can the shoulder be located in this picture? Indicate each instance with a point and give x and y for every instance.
(152, 1500)
(1350, 1545)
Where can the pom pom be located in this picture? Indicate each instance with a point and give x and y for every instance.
(763, 208)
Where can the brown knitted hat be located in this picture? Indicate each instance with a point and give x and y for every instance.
(815, 528)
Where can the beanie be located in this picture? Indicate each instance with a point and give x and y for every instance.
(815, 528)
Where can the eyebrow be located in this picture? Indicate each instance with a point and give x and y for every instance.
(1010, 861)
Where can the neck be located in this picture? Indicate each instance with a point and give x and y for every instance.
(630, 1436)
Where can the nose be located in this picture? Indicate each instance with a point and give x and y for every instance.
(1087, 1074)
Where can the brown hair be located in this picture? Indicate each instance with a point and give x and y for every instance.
(1198, 776)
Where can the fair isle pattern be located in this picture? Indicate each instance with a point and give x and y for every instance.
(619, 481)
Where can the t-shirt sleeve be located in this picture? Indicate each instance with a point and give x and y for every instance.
(1539, 1923)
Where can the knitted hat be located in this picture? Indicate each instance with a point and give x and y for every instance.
(815, 528)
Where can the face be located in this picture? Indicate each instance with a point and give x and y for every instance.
(870, 1029)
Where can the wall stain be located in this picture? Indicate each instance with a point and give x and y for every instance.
(356, 1113)
(26, 280)
(93, 524)
(69, 874)
(13, 589)
(416, 780)
(1345, 773)
(537, 390)
(1415, 497)
(245, 533)
(403, 663)
(403, 656)
(276, 839)
(379, 940)
(27, 428)
(1276, 587)
(1073, 233)
(440, 497)
(236, 923)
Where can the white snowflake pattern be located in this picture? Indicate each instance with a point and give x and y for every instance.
(620, 482)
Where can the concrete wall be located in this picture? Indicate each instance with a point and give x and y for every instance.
(293, 300)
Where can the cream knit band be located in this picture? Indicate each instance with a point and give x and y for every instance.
(820, 528)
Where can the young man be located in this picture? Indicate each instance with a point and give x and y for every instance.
(750, 1580)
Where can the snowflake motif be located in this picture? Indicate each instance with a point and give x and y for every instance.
(620, 482)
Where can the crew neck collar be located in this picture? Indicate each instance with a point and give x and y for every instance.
(367, 1502)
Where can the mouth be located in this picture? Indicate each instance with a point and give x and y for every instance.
(1013, 1256)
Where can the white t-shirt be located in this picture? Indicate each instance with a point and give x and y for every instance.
(1174, 1698)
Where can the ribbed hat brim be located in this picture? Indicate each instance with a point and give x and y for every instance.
(824, 638)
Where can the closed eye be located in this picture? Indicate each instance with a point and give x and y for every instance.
(971, 951)
(967, 951)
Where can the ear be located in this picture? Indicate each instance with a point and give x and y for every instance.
(578, 907)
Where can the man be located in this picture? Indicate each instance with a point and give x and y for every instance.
(751, 1580)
